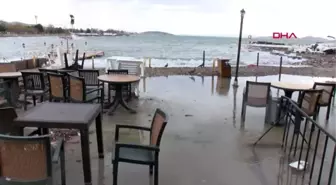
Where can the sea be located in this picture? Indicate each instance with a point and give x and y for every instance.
(176, 51)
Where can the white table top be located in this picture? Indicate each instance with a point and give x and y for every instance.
(292, 86)
(10, 75)
(123, 58)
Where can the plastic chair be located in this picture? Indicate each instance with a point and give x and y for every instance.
(257, 94)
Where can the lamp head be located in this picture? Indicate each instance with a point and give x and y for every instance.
(242, 12)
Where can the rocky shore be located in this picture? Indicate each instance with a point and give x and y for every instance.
(243, 71)
(324, 61)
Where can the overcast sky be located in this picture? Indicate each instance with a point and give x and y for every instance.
(187, 17)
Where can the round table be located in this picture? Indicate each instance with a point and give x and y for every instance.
(13, 78)
(289, 88)
(119, 81)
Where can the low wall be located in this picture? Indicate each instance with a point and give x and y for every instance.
(22, 65)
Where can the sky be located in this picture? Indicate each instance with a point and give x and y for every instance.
(185, 17)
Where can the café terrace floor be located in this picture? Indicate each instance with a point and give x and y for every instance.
(204, 141)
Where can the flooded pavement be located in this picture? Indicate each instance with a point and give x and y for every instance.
(204, 141)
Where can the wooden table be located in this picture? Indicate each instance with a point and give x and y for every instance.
(289, 88)
(72, 116)
(13, 79)
(119, 81)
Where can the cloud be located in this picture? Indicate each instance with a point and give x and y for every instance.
(204, 17)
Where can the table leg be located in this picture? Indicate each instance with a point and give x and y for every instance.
(118, 99)
(99, 133)
(84, 134)
(288, 93)
(15, 92)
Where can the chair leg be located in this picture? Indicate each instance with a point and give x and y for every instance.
(109, 93)
(267, 111)
(102, 99)
(62, 163)
(42, 98)
(34, 100)
(328, 111)
(115, 172)
(151, 169)
(130, 91)
(243, 112)
(156, 173)
(25, 102)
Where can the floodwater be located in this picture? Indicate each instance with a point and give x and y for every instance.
(204, 141)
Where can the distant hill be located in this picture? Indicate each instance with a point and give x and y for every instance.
(155, 33)
(19, 28)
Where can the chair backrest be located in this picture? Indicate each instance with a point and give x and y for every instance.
(90, 76)
(308, 101)
(7, 115)
(57, 86)
(5, 98)
(25, 158)
(45, 71)
(327, 94)
(33, 81)
(159, 123)
(117, 72)
(83, 60)
(257, 93)
(132, 67)
(77, 89)
(45, 75)
(7, 67)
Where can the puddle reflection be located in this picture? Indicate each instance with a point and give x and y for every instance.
(223, 86)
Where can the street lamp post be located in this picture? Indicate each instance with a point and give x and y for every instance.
(242, 13)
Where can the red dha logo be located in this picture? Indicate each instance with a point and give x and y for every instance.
(279, 35)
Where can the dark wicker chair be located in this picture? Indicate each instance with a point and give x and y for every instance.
(45, 75)
(326, 97)
(91, 78)
(57, 87)
(141, 154)
(112, 87)
(28, 160)
(5, 98)
(75, 65)
(33, 84)
(7, 115)
(78, 92)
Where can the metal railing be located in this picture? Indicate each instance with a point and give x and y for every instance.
(307, 143)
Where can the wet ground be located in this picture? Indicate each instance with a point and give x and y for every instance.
(204, 141)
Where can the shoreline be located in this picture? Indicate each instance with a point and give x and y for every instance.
(33, 35)
(243, 71)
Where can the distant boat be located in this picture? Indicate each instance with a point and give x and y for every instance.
(72, 36)
(91, 54)
(268, 45)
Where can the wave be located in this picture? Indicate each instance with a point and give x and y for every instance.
(194, 62)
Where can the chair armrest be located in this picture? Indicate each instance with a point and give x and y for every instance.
(116, 137)
(93, 90)
(119, 145)
(132, 127)
(58, 147)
